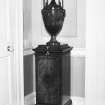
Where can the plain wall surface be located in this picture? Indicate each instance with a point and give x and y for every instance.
(95, 45)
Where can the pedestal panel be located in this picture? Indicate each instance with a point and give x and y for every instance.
(52, 74)
(48, 88)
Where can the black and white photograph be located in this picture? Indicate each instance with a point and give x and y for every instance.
(52, 52)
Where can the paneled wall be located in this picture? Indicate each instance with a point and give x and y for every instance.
(78, 76)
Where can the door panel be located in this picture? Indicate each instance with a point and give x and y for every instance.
(11, 52)
(3, 20)
(5, 35)
(7, 80)
(5, 87)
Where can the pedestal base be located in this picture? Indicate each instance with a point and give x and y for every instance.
(68, 102)
(53, 74)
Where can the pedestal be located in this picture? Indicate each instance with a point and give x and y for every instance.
(52, 74)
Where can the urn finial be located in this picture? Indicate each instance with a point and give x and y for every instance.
(53, 16)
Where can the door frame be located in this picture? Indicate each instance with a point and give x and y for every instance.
(18, 52)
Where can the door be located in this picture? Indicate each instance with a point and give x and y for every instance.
(11, 83)
(7, 89)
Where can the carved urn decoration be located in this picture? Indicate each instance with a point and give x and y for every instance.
(53, 16)
(52, 60)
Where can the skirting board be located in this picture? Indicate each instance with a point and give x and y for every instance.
(31, 100)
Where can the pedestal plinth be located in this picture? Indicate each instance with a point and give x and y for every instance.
(52, 74)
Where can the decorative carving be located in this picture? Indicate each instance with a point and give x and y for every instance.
(53, 16)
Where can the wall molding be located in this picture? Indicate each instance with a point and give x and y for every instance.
(80, 52)
(28, 52)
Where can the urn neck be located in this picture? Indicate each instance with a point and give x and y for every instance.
(53, 41)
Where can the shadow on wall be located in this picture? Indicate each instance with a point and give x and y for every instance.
(28, 74)
(77, 75)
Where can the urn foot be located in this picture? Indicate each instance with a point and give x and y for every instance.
(53, 41)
